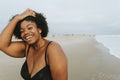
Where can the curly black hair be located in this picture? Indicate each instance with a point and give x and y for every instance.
(40, 21)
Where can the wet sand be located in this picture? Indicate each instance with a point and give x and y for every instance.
(87, 60)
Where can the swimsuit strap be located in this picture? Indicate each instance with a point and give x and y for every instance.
(27, 50)
(46, 52)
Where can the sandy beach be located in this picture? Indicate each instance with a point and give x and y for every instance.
(87, 60)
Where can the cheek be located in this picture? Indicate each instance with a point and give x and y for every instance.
(21, 34)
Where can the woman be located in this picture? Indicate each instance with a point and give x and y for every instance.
(45, 60)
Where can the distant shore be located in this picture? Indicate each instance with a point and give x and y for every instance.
(87, 60)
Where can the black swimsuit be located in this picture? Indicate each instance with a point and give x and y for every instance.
(43, 74)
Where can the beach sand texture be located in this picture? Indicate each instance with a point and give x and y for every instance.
(87, 60)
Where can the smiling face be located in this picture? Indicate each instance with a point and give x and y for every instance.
(29, 32)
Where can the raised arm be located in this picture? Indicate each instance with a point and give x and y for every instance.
(14, 49)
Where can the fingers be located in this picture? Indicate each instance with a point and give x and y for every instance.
(30, 12)
(27, 12)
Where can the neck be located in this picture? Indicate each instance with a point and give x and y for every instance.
(39, 44)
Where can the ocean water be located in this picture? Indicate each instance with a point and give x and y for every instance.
(88, 67)
(112, 42)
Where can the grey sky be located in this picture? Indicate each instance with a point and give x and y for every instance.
(69, 16)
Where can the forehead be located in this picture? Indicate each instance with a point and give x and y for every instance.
(27, 23)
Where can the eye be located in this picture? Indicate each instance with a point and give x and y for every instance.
(30, 27)
(21, 30)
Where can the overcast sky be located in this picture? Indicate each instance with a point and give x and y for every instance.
(69, 16)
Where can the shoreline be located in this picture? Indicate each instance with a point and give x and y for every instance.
(87, 60)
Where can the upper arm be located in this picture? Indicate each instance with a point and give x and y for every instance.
(15, 49)
(58, 62)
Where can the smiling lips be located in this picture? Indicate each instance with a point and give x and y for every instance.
(27, 38)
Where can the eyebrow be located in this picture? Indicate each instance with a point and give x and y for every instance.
(30, 23)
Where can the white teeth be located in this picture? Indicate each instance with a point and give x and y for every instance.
(28, 38)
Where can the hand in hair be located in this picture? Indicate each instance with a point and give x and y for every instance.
(27, 12)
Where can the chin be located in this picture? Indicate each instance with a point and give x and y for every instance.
(30, 42)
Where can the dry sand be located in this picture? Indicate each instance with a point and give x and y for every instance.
(87, 60)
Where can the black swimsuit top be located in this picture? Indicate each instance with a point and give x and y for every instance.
(43, 74)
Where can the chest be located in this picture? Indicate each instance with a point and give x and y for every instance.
(35, 61)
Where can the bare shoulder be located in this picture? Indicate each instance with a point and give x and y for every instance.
(54, 45)
(55, 48)
(57, 61)
(56, 53)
